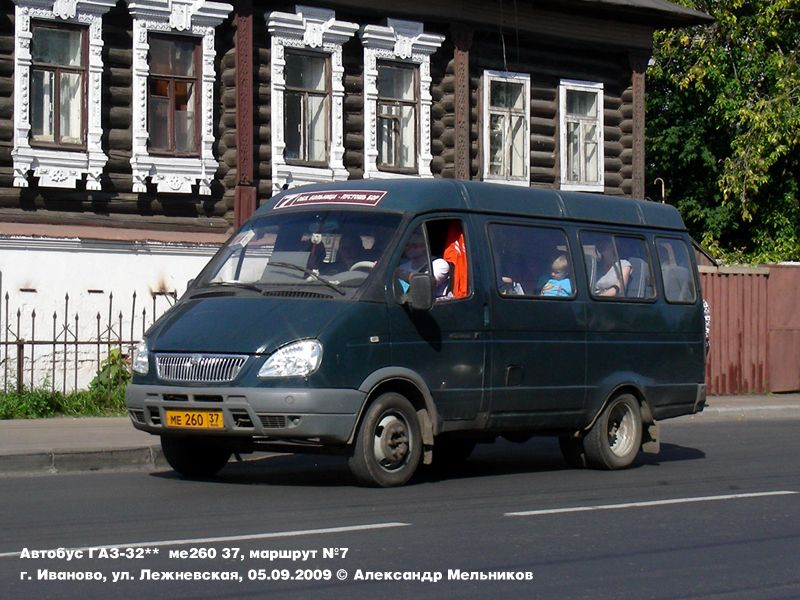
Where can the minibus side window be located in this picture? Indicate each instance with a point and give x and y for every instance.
(437, 247)
(531, 261)
(676, 271)
(617, 266)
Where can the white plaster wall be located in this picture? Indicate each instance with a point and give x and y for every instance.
(90, 272)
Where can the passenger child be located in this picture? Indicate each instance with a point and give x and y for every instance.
(559, 283)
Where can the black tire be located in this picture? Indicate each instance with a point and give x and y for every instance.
(615, 439)
(572, 450)
(388, 443)
(194, 457)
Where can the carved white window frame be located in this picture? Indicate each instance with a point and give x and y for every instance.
(398, 41)
(172, 174)
(523, 79)
(316, 30)
(564, 86)
(58, 168)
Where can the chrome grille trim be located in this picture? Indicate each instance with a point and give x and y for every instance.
(199, 368)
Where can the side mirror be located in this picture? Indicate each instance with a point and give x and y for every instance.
(420, 292)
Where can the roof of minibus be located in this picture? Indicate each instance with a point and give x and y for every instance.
(420, 196)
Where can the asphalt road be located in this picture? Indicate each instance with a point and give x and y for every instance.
(715, 515)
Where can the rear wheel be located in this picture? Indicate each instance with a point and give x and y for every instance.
(388, 444)
(616, 437)
(194, 457)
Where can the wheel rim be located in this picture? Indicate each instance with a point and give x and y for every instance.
(391, 441)
(621, 429)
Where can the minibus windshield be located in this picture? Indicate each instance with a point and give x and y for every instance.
(336, 249)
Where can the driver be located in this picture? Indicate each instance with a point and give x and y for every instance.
(350, 251)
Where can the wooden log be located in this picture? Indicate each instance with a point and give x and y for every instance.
(119, 139)
(228, 99)
(543, 127)
(543, 159)
(354, 140)
(119, 117)
(117, 96)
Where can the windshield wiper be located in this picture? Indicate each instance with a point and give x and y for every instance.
(310, 273)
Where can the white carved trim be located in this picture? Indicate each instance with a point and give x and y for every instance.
(585, 86)
(192, 17)
(315, 29)
(403, 41)
(525, 80)
(59, 168)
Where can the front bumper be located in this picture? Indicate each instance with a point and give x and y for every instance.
(324, 416)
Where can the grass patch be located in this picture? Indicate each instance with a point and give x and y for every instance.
(105, 396)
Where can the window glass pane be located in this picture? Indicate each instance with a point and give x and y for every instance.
(42, 98)
(408, 130)
(172, 56)
(531, 261)
(57, 47)
(590, 153)
(317, 128)
(293, 119)
(396, 82)
(518, 132)
(676, 270)
(640, 279)
(504, 94)
(387, 133)
(582, 103)
(305, 72)
(158, 123)
(497, 125)
(184, 117)
(573, 152)
(70, 120)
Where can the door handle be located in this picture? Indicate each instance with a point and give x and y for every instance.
(464, 335)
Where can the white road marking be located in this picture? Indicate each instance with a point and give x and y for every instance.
(231, 538)
(556, 511)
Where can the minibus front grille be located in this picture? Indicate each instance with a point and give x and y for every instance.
(199, 368)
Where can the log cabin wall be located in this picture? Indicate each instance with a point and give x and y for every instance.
(262, 138)
(547, 64)
(8, 196)
(579, 49)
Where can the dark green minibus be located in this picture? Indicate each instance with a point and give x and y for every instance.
(401, 322)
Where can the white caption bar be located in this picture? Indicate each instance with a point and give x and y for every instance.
(236, 538)
(556, 511)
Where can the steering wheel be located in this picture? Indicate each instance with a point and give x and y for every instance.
(363, 265)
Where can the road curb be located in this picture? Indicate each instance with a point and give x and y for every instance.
(70, 461)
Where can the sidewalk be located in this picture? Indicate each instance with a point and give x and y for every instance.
(89, 444)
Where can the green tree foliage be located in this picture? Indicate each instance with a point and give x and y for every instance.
(723, 126)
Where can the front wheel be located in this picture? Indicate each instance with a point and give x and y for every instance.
(388, 444)
(616, 437)
(194, 457)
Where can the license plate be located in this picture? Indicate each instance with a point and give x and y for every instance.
(195, 419)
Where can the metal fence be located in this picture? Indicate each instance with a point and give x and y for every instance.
(51, 352)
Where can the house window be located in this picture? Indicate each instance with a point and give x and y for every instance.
(307, 95)
(397, 99)
(506, 141)
(397, 117)
(58, 84)
(172, 110)
(581, 120)
(57, 93)
(306, 108)
(173, 98)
